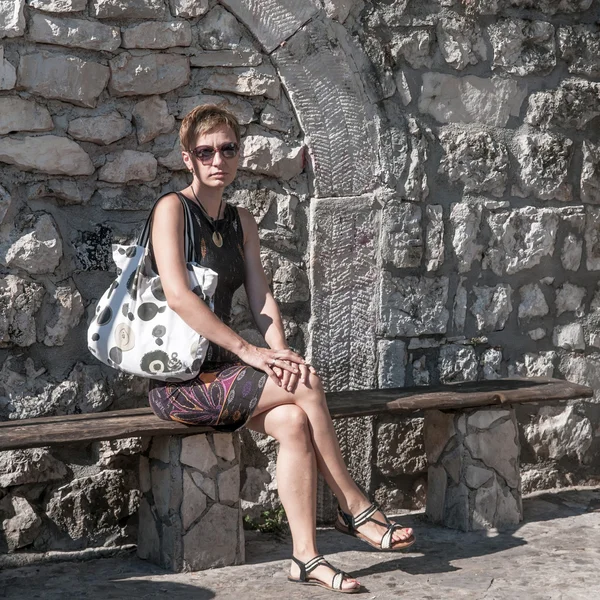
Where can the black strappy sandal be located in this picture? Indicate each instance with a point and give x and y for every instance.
(349, 525)
(311, 565)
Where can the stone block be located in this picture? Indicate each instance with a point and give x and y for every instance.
(470, 99)
(37, 251)
(569, 337)
(457, 363)
(437, 485)
(434, 237)
(127, 9)
(290, 283)
(158, 35)
(25, 467)
(535, 365)
(65, 190)
(520, 239)
(573, 104)
(148, 543)
(476, 476)
(401, 234)
(544, 160)
(580, 47)
(492, 306)
(188, 8)
(65, 78)
(196, 452)
(8, 74)
(266, 154)
(485, 418)
(590, 173)
(415, 48)
(416, 186)
(174, 160)
(459, 307)
(147, 75)
(152, 118)
(392, 363)
(224, 446)
(412, 306)
(5, 203)
(491, 361)
(275, 119)
(194, 502)
(460, 41)
(49, 154)
(105, 129)
(206, 484)
(66, 312)
(420, 372)
(220, 30)
(400, 447)
(592, 239)
(533, 303)
(466, 222)
(569, 298)
(475, 159)
(523, 47)
(457, 514)
(73, 33)
(160, 449)
(12, 19)
(18, 114)
(438, 430)
(539, 333)
(244, 81)
(552, 7)
(278, 20)
(23, 527)
(145, 480)
(338, 9)
(58, 6)
(228, 484)
(128, 165)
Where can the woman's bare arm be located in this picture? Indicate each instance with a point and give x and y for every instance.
(168, 243)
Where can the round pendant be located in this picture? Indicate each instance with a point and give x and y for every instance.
(217, 239)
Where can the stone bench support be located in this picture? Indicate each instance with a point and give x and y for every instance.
(189, 517)
(473, 475)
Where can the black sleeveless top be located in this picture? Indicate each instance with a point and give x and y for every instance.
(227, 261)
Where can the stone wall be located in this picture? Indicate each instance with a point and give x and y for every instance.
(426, 180)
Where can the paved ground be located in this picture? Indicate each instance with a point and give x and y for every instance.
(553, 555)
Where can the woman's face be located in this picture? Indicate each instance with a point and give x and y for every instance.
(211, 158)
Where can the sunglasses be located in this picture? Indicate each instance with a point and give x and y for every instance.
(205, 154)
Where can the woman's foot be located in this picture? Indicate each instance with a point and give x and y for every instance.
(372, 526)
(317, 568)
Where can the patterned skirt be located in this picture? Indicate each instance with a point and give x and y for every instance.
(223, 396)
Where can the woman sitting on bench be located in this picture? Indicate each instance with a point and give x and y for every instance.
(273, 390)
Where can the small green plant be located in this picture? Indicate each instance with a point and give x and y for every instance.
(270, 521)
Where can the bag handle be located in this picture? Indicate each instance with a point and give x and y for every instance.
(189, 245)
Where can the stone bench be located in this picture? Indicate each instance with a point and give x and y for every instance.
(190, 517)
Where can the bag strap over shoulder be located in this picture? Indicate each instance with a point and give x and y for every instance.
(190, 248)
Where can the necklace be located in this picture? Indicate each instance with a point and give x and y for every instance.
(217, 238)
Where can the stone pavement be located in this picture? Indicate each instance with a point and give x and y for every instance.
(553, 555)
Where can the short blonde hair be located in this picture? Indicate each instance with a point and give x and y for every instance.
(204, 119)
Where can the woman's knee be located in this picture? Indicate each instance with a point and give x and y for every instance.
(288, 421)
(312, 391)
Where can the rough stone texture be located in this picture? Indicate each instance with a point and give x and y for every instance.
(18, 114)
(533, 303)
(544, 161)
(67, 311)
(457, 363)
(476, 160)
(65, 78)
(50, 154)
(466, 221)
(520, 239)
(569, 298)
(491, 360)
(401, 235)
(523, 47)
(127, 9)
(392, 360)
(21, 467)
(158, 35)
(129, 165)
(12, 18)
(5, 203)
(73, 33)
(105, 129)
(416, 186)
(413, 306)
(592, 239)
(434, 237)
(247, 82)
(492, 307)
(21, 299)
(58, 6)
(188, 8)
(37, 251)
(569, 337)
(572, 252)
(23, 528)
(400, 448)
(573, 104)
(264, 153)
(8, 74)
(580, 46)
(590, 173)
(152, 118)
(196, 452)
(414, 48)
(220, 30)
(470, 99)
(147, 75)
(460, 41)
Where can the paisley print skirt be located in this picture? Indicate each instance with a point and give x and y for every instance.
(223, 396)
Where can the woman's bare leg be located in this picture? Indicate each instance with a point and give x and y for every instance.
(311, 399)
(296, 481)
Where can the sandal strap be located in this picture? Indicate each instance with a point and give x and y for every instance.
(313, 563)
(317, 561)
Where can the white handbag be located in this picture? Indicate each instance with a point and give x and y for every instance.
(134, 330)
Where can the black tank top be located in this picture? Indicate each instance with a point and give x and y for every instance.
(227, 261)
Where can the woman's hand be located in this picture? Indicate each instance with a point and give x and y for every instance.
(265, 359)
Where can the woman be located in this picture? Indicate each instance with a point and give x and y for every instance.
(273, 391)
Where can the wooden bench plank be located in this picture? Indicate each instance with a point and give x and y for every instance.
(48, 431)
